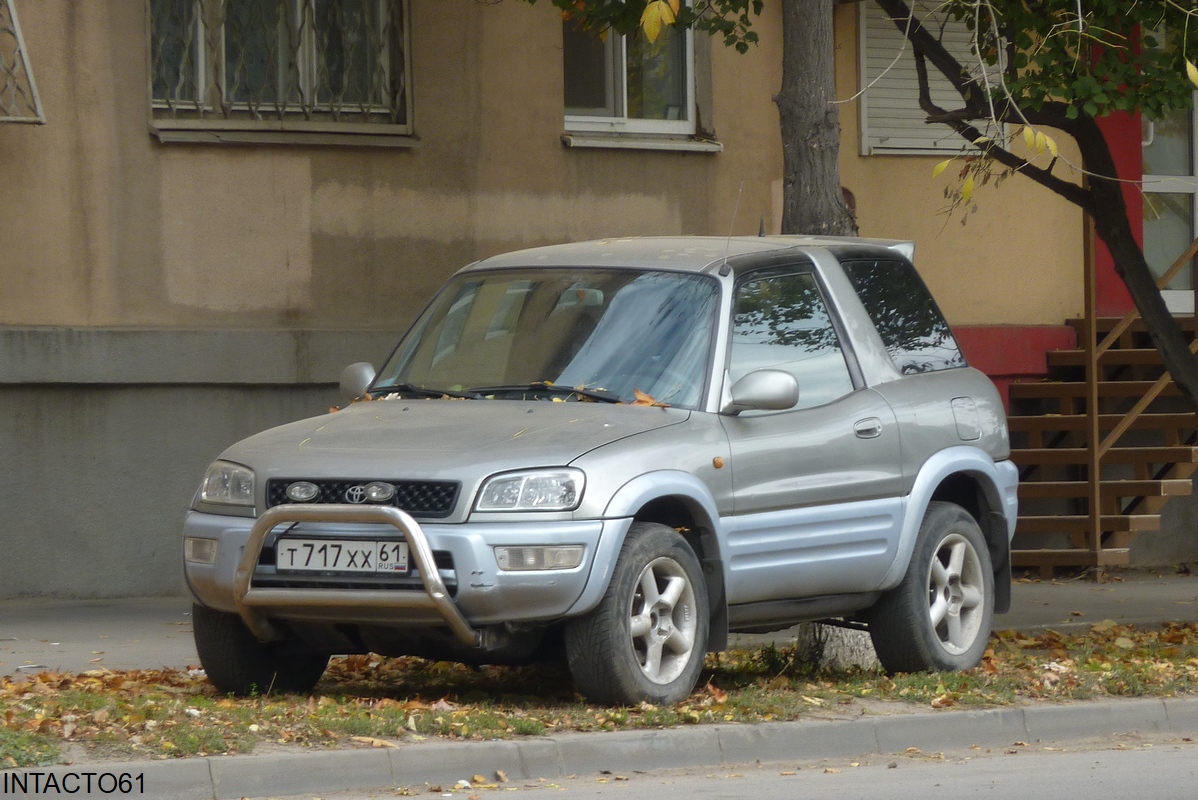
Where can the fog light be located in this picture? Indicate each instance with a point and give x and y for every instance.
(303, 491)
(379, 492)
(530, 557)
(201, 551)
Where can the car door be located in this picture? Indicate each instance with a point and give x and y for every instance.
(817, 487)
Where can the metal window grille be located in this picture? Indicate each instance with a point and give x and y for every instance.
(306, 60)
(18, 91)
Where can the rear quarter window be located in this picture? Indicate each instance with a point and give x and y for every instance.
(906, 316)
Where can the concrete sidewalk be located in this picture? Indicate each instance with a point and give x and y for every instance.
(149, 633)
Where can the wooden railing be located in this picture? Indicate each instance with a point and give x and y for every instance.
(1096, 445)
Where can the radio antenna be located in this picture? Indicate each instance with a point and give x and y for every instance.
(731, 227)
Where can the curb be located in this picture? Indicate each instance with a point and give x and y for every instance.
(232, 777)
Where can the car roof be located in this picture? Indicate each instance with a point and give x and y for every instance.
(676, 253)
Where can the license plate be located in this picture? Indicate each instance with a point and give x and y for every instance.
(340, 555)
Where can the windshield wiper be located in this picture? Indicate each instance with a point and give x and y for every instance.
(422, 391)
(601, 395)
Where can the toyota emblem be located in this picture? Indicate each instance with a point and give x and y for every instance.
(355, 494)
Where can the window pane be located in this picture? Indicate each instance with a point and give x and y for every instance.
(782, 323)
(1171, 151)
(261, 40)
(349, 52)
(589, 65)
(1168, 231)
(906, 316)
(175, 48)
(657, 75)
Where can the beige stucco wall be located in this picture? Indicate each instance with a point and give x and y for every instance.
(101, 225)
(1017, 260)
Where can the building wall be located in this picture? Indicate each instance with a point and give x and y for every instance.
(112, 228)
(163, 300)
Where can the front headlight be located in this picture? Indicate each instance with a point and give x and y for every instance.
(534, 490)
(228, 485)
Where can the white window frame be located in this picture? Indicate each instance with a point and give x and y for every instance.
(579, 123)
(1178, 301)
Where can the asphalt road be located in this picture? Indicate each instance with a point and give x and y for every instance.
(1111, 768)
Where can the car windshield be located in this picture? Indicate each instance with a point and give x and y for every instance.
(615, 332)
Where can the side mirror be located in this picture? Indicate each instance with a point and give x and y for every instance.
(355, 380)
(765, 390)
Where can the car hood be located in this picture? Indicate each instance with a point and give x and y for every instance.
(462, 440)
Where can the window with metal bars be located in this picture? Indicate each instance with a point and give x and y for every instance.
(19, 100)
(285, 64)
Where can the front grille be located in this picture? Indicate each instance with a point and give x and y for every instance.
(430, 499)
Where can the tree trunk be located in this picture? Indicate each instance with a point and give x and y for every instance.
(813, 201)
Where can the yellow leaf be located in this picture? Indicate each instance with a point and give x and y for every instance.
(1052, 145)
(1041, 142)
(657, 14)
(1192, 72)
(943, 165)
(981, 140)
(643, 399)
(967, 189)
(373, 742)
(1029, 137)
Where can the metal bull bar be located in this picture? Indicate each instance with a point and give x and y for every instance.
(251, 601)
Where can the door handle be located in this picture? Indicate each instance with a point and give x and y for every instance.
(869, 428)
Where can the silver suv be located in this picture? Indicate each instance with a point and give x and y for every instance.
(624, 450)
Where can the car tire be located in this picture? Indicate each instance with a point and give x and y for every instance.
(237, 663)
(647, 638)
(938, 618)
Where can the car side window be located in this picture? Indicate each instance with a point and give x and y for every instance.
(906, 316)
(781, 321)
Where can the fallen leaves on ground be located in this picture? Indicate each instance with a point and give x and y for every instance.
(373, 701)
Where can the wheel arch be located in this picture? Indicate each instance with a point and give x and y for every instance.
(970, 478)
(678, 500)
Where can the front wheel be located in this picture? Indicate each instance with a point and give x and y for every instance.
(939, 616)
(237, 663)
(646, 639)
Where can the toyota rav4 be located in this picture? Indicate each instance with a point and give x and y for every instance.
(623, 451)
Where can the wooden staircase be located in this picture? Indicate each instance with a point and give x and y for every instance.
(1147, 449)
(1103, 443)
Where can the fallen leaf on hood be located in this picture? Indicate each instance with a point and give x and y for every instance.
(643, 399)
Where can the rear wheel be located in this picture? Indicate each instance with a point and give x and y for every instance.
(646, 639)
(939, 617)
(237, 663)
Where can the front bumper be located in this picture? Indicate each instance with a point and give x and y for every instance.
(468, 591)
